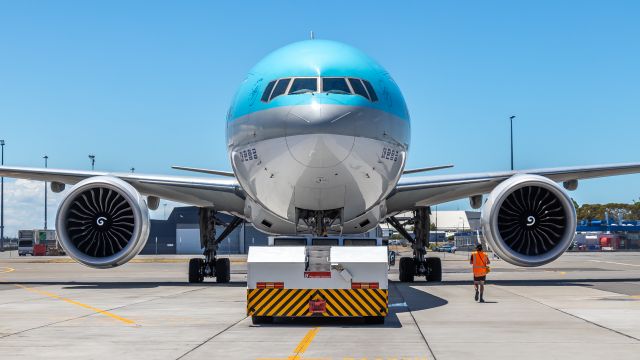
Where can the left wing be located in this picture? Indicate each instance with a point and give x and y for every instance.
(411, 192)
(223, 194)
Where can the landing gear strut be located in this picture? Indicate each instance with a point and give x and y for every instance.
(211, 266)
(419, 264)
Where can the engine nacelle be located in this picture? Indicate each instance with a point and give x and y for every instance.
(529, 220)
(103, 222)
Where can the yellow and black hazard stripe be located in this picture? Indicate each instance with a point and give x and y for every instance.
(295, 302)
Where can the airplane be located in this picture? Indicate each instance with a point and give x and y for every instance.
(318, 136)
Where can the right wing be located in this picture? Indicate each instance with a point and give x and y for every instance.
(411, 192)
(223, 194)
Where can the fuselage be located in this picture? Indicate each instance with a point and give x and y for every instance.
(317, 136)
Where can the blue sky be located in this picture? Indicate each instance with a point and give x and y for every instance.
(148, 84)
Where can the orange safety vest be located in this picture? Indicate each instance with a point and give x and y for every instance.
(480, 261)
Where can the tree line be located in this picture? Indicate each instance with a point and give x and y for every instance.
(597, 211)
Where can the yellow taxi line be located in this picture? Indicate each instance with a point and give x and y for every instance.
(304, 344)
(8, 269)
(556, 271)
(96, 310)
(301, 348)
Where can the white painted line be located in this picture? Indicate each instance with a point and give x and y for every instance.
(613, 262)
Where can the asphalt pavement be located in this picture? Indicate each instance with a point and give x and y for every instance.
(583, 306)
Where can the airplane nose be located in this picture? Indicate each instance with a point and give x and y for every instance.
(317, 132)
(322, 112)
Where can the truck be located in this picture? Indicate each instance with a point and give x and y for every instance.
(25, 242)
(47, 239)
(318, 277)
(25, 247)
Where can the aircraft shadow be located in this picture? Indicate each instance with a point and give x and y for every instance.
(535, 282)
(403, 297)
(415, 299)
(121, 285)
(390, 322)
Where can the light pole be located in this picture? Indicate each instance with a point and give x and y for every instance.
(45, 193)
(93, 161)
(511, 122)
(2, 201)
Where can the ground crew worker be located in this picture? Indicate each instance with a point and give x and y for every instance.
(480, 261)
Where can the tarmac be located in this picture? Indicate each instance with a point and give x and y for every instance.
(582, 306)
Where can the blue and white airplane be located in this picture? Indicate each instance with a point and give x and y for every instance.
(318, 136)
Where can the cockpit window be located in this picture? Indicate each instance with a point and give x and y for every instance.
(303, 85)
(358, 88)
(281, 88)
(267, 91)
(335, 86)
(330, 85)
(372, 93)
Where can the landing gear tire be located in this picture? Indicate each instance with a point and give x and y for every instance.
(196, 267)
(434, 269)
(223, 270)
(257, 320)
(374, 320)
(407, 269)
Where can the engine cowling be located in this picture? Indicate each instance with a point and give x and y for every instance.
(528, 220)
(103, 222)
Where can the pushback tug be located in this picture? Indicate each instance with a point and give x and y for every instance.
(298, 277)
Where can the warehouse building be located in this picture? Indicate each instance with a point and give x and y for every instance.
(447, 222)
(180, 234)
(607, 235)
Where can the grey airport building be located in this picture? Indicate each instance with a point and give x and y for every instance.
(180, 234)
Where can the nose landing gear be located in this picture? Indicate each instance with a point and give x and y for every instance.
(419, 264)
(211, 266)
(319, 222)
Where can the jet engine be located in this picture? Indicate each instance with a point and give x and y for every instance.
(528, 220)
(103, 222)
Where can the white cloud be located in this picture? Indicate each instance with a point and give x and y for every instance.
(163, 213)
(24, 206)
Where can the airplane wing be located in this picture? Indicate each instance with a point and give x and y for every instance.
(223, 194)
(411, 192)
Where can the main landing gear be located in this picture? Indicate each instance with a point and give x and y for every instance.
(211, 266)
(419, 264)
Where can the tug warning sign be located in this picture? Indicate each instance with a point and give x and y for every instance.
(317, 274)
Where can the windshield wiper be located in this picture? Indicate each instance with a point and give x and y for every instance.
(301, 91)
(341, 92)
